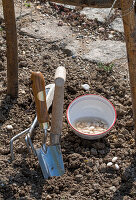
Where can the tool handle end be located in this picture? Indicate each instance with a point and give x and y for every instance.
(60, 76)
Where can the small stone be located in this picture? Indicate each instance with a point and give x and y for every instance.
(101, 29)
(114, 159)
(99, 145)
(109, 164)
(87, 42)
(102, 152)
(4, 151)
(9, 127)
(38, 7)
(81, 36)
(8, 98)
(2, 118)
(60, 23)
(79, 177)
(22, 64)
(48, 197)
(74, 56)
(91, 191)
(46, 57)
(1, 66)
(103, 167)
(73, 191)
(110, 36)
(21, 193)
(86, 192)
(130, 123)
(116, 166)
(2, 184)
(96, 186)
(112, 32)
(85, 86)
(93, 151)
(112, 188)
(23, 91)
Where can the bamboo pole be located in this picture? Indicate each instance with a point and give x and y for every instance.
(129, 22)
(12, 55)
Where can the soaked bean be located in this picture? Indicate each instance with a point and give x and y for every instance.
(91, 126)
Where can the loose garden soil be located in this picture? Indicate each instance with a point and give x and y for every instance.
(87, 176)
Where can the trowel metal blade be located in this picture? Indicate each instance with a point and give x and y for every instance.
(51, 162)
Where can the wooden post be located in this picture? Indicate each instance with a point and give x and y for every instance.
(12, 54)
(129, 21)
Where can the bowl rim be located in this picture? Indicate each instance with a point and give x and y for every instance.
(87, 133)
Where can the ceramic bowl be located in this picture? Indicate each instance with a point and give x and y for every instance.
(91, 106)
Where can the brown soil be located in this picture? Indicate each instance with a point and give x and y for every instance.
(87, 176)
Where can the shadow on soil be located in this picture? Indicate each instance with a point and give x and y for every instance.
(4, 193)
(5, 108)
(74, 144)
(127, 180)
(25, 177)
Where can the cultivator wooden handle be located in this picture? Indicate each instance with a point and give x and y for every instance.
(38, 86)
(57, 110)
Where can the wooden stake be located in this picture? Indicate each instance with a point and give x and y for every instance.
(12, 55)
(129, 21)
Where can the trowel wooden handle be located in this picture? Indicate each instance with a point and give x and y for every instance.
(38, 86)
(57, 110)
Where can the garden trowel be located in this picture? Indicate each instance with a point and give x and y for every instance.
(50, 157)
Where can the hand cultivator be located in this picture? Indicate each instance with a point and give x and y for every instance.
(50, 157)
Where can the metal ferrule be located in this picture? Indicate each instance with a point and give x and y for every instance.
(44, 125)
(55, 139)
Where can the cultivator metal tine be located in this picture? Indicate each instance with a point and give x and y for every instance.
(27, 138)
(29, 135)
(14, 138)
(27, 144)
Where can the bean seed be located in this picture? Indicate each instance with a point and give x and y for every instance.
(91, 126)
(9, 127)
(109, 164)
(116, 166)
(114, 159)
